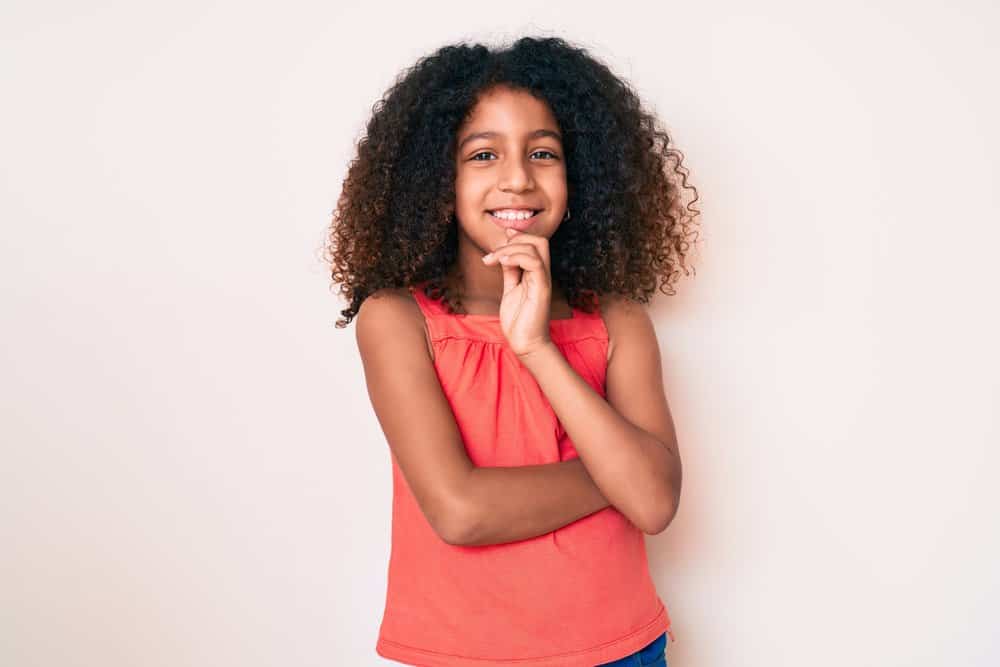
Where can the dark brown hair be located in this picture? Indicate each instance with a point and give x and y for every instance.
(628, 229)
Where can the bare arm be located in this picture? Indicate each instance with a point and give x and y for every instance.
(517, 503)
(628, 442)
(464, 504)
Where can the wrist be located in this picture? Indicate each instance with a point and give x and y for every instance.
(538, 352)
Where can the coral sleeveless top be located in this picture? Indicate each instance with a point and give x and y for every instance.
(576, 597)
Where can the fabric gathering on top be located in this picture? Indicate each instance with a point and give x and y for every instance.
(578, 596)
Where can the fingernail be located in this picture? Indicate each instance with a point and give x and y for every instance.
(488, 257)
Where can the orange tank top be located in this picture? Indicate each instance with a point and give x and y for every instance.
(578, 596)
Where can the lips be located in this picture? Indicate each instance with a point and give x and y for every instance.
(520, 224)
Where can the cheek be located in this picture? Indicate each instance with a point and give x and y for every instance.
(555, 182)
(469, 193)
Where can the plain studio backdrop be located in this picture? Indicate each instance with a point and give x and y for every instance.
(192, 473)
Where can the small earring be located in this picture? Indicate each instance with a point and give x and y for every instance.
(566, 217)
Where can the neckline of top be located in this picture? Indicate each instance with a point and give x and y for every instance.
(496, 318)
(577, 315)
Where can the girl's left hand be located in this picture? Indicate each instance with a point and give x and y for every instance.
(527, 290)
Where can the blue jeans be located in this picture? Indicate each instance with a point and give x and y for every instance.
(653, 654)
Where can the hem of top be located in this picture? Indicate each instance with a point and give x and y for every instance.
(607, 652)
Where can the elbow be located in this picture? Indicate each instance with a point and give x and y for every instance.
(450, 513)
(660, 514)
(659, 518)
(658, 525)
(454, 534)
(456, 525)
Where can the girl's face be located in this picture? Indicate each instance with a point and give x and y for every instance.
(509, 162)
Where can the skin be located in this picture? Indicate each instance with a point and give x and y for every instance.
(512, 167)
(627, 446)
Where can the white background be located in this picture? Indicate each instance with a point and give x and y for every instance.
(191, 470)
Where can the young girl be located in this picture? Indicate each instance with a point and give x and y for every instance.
(504, 214)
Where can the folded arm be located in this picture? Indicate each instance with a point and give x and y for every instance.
(520, 502)
(628, 441)
(464, 504)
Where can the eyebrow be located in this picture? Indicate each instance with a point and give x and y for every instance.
(489, 134)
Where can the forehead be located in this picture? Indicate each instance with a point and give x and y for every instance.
(506, 110)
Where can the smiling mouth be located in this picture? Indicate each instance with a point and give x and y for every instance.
(515, 218)
(515, 222)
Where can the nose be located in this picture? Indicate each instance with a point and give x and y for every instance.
(515, 176)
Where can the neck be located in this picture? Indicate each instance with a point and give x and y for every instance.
(479, 282)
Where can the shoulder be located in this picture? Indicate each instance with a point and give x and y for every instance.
(627, 321)
(388, 313)
(388, 305)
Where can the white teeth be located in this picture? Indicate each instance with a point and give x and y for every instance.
(512, 215)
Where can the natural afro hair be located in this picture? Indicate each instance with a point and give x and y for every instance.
(393, 226)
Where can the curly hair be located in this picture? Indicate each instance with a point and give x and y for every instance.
(392, 225)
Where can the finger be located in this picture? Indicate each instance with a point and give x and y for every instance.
(516, 247)
(527, 262)
(503, 250)
(522, 268)
(540, 243)
(512, 274)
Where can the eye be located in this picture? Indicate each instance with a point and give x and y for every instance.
(476, 156)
